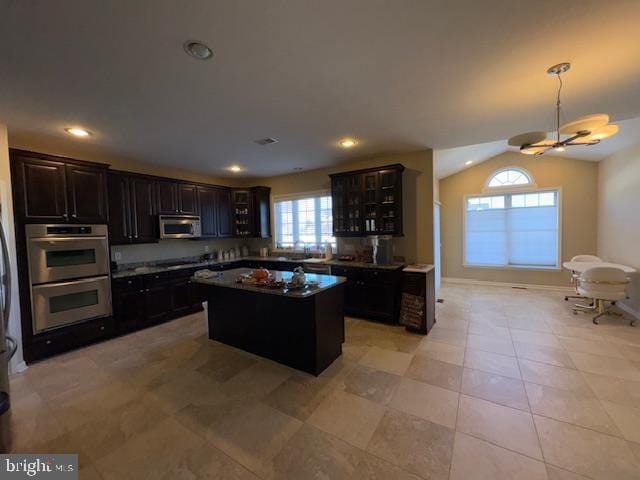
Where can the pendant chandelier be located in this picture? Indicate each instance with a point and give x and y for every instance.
(587, 130)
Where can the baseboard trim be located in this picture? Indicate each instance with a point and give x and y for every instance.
(530, 286)
(19, 368)
(627, 309)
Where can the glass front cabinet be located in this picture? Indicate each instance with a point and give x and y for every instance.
(367, 202)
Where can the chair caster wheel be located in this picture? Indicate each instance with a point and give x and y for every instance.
(632, 323)
(595, 321)
(566, 299)
(575, 312)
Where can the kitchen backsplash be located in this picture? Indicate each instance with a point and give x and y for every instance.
(172, 248)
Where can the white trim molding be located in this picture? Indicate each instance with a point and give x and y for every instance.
(529, 286)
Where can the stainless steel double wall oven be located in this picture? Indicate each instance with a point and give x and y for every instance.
(68, 274)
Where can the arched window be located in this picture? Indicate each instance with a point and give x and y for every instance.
(509, 177)
(512, 223)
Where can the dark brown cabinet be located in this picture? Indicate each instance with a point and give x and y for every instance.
(261, 211)
(367, 202)
(224, 212)
(214, 206)
(167, 196)
(176, 198)
(146, 300)
(143, 214)
(371, 293)
(187, 199)
(87, 189)
(132, 205)
(243, 221)
(207, 200)
(55, 189)
(128, 304)
(251, 212)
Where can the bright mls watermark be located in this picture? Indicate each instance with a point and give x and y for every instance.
(48, 467)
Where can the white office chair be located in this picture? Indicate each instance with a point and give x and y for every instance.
(603, 284)
(574, 275)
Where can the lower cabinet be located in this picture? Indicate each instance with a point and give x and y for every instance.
(67, 338)
(147, 300)
(371, 293)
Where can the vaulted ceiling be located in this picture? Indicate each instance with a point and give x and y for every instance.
(397, 75)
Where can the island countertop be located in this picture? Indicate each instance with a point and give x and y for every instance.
(228, 279)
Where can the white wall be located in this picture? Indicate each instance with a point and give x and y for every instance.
(618, 215)
(6, 204)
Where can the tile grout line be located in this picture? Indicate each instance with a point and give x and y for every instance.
(535, 427)
(455, 425)
(563, 421)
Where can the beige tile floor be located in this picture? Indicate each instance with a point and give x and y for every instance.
(509, 384)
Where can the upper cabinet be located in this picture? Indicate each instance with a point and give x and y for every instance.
(167, 197)
(367, 202)
(224, 215)
(251, 212)
(55, 189)
(214, 205)
(132, 208)
(187, 199)
(208, 206)
(62, 190)
(176, 198)
(261, 211)
(243, 221)
(87, 190)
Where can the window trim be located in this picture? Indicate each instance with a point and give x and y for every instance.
(510, 188)
(500, 191)
(288, 197)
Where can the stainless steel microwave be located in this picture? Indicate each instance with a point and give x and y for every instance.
(179, 226)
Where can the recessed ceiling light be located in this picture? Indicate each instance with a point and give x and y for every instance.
(348, 142)
(77, 132)
(197, 50)
(235, 168)
(468, 162)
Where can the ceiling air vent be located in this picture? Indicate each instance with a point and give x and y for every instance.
(266, 141)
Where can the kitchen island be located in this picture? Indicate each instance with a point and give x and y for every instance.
(303, 329)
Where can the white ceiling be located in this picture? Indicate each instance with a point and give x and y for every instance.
(451, 160)
(399, 76)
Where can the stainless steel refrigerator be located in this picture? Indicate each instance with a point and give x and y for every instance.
(7, 346)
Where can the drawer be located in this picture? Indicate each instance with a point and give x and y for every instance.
(73, 336)
(345, 272)
(155, 279)
(381, 276)
(181, 273)
(126, 283)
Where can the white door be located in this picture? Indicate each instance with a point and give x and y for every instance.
(436, 243)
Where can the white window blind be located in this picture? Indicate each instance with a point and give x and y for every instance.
(512, 229)
(304, 220)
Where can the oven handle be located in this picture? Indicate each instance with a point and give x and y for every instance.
(65, 239)
(45, 286)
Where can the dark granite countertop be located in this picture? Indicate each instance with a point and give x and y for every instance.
(228, 279)
(191, 263)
